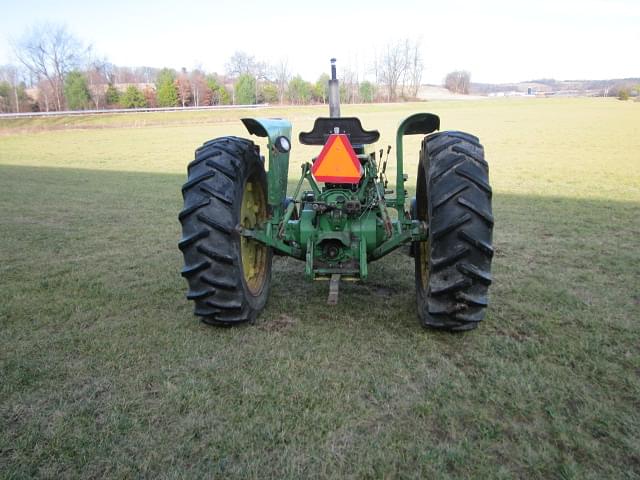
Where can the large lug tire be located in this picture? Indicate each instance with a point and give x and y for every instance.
(453, 268)
(228, 275)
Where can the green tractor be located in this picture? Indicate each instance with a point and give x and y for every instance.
(237, 215)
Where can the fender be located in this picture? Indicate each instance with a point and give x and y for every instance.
(417, 124)
(277, 174)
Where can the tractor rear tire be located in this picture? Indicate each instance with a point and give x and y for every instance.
(453, 268)
(228, 275)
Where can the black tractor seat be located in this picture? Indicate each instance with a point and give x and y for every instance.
(350, 126)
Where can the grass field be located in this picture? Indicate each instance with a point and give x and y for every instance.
(105, 372)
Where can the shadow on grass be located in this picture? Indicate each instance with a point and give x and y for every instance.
(578, 246)
(98, 341)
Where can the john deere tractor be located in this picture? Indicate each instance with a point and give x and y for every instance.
(342, 216)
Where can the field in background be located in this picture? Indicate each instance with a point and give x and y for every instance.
(104, 370)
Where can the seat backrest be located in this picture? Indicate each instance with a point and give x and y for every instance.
(350, 126)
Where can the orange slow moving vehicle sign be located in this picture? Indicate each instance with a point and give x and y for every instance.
(337, 163)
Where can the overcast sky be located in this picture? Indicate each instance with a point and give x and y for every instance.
(497, 40)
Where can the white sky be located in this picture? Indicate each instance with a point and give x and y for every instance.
(497, 40)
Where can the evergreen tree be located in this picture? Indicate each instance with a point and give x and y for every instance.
(299, 90)
(112, 96)
(76, 91)
(270, 93)
(224, 97)
(245, 90)
(5, 96)
(219, 94)
(133, 98)
(366, 92)
(167, 93)
(321, 88)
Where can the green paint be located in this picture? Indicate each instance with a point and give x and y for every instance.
(340, 228)
(419, 123)
(278, 170)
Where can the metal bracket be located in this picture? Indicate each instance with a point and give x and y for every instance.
(363, 259)
(334, 286)
(308, 266)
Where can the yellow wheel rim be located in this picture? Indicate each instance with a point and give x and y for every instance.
(253, 254)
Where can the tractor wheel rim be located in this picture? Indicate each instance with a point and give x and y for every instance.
(253, 212)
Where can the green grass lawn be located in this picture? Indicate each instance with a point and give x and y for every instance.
(105, 372)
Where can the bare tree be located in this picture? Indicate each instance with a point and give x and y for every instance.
(150, 96)
(406, 52)
(50, 52)
(124, 75)
(45, 95)
(145, 74)
(398, 68)
(415, 67)
(199, 87)
(184, 87)
(390, 67)
(350, 84)
(458, 81)
(282, 75)
(136, 75)
(11, 75)
(98, 79)
(261, 73)
(241, 63)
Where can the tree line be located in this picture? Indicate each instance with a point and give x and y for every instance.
(56, 71)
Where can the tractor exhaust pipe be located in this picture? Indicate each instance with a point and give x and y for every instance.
(334, 92)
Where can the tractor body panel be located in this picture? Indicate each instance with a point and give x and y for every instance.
(339, 227)
(278, 171)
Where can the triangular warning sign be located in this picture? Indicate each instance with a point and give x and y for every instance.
(337, 163)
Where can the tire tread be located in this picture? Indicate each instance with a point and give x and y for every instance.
(209, 244)
(456, 196)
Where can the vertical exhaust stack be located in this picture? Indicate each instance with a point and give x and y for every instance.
(334, 92)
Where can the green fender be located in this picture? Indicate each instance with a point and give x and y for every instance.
(419, 123)
(278, 172)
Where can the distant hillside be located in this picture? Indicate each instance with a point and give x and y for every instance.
(550, 86)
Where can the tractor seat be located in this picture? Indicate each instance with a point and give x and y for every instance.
(350, 126)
